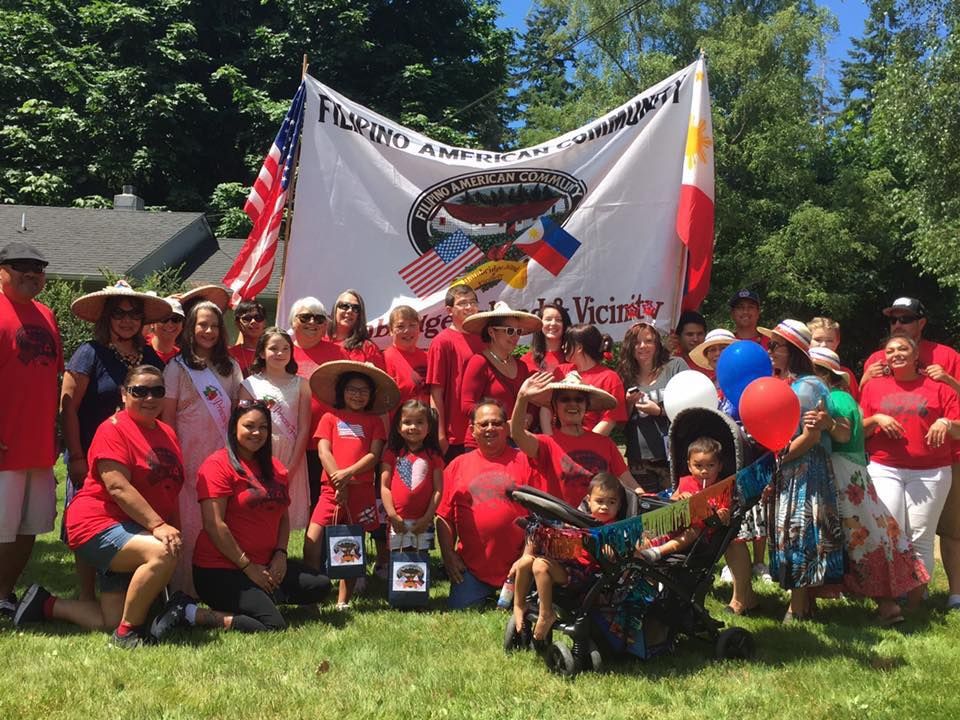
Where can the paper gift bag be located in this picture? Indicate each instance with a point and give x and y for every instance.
(344, 551)
(409, 579)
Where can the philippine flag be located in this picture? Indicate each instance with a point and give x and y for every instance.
(549, 244)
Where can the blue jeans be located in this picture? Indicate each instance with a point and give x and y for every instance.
(469, 592)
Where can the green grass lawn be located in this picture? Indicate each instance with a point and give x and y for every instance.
(377, 662)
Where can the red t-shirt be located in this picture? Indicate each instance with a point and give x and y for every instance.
(854, 388)
(254, 510)
(366, 352)
(153, 458)
(600, 376)
(930, 353)
(351, 436)
(476, 506)
(167, 356)
(449, 353)
(411, 480)
(916, 405)
(409, 370)
(307, 362)
(759, 339)
(482, 380)
(569, 462)
(552, 360)
(31, 357)
(243, 356)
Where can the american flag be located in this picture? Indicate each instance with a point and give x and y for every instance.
(350, 430)
(440, 265)
(251, 271)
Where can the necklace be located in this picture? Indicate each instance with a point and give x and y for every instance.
(131, 360)
(497, 357)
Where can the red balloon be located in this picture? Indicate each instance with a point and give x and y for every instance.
(770, 411)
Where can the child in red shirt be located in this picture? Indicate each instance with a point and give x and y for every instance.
(411, 477)
(351, 439)
(604, 499)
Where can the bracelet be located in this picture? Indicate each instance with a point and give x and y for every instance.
(946, 421)
(280, 549)
(834, 426)
(240, 559)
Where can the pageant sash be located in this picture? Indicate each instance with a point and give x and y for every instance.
(210, 390)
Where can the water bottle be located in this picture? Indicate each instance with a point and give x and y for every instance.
(505, 601)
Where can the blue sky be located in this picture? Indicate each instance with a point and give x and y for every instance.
(850, 16)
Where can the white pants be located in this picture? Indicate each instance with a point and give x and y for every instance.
(915, 499)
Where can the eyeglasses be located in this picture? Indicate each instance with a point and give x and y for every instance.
(140, 392)
(356, 390)
(120, 314)
(318, 318)
(571, 399)
(245, 319)
(466, 303)
(27, 266)
(903, 319)
(508, 331)
(172, 320)
(491, 424)
(775, 345)
(345, 306)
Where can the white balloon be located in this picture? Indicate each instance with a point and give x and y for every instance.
(688, 389)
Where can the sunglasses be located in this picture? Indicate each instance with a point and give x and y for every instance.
(172, 320)
(572, 399)
(903, 319)
(245, 404)
(143, 391)
(120, 314)
(508, 331)
(774, 345)
(318, 318)
(250, 318)
(345, 306)
(27, 266)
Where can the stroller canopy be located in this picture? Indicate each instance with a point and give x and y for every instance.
(695, 423)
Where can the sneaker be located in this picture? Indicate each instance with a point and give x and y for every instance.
(760, 570)
(171, 616)
(129, 641)
(8, 606)
(30, 608)
(726, 577)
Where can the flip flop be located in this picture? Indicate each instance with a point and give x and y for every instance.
(889, 620)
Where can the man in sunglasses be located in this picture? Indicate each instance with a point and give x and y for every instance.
(31, 357)
(907, 318)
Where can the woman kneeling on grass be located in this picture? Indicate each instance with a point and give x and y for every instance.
(240, 566)
(124, 519)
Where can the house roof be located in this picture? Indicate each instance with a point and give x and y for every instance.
(215, 267)
(80, 241)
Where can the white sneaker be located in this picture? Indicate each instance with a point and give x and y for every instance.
(760, 570)
(726, 577)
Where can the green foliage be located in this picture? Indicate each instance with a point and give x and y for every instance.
(59, 294)
(226, 210)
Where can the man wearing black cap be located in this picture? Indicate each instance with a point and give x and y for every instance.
(31, 357)
(907, 317)
(745, 313)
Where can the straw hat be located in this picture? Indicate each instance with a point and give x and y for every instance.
(599, 399)
(216, 294)
(714, 338)
(89, 307)
(825, 357)
(323, 383)
(528, 322)
(793, 331)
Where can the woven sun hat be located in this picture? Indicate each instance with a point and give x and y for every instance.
(528, 321)
(598, 399)
(715, 337)
(793, 331)
(217, 294)
(323, 384)
(825, 357)
(89, 307)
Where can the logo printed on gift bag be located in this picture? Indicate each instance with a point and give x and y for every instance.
(346, 550)
(410, 577)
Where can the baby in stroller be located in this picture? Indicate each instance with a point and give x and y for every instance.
(604, 499)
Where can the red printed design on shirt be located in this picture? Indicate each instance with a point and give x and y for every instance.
(569, 462)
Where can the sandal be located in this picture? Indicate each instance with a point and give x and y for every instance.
(888, 620)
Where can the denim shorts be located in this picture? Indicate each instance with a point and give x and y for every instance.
(100, 550)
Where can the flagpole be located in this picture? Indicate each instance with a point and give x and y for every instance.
(289, 207)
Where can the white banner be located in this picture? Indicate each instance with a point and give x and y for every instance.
(587, 219)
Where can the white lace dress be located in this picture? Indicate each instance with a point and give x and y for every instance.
(284, 403)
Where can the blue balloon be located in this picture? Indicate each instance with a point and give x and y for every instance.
(739, 365)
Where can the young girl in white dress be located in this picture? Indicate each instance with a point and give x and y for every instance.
(274, 380)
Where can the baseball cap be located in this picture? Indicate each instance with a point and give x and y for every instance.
(17, 250)
(908, 305)
(744, 295)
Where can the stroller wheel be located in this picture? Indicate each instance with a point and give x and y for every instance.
(560, 660)
(513, 640)
(735, 643)
(596, 659)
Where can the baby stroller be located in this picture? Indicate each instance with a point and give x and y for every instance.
(632, 606)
